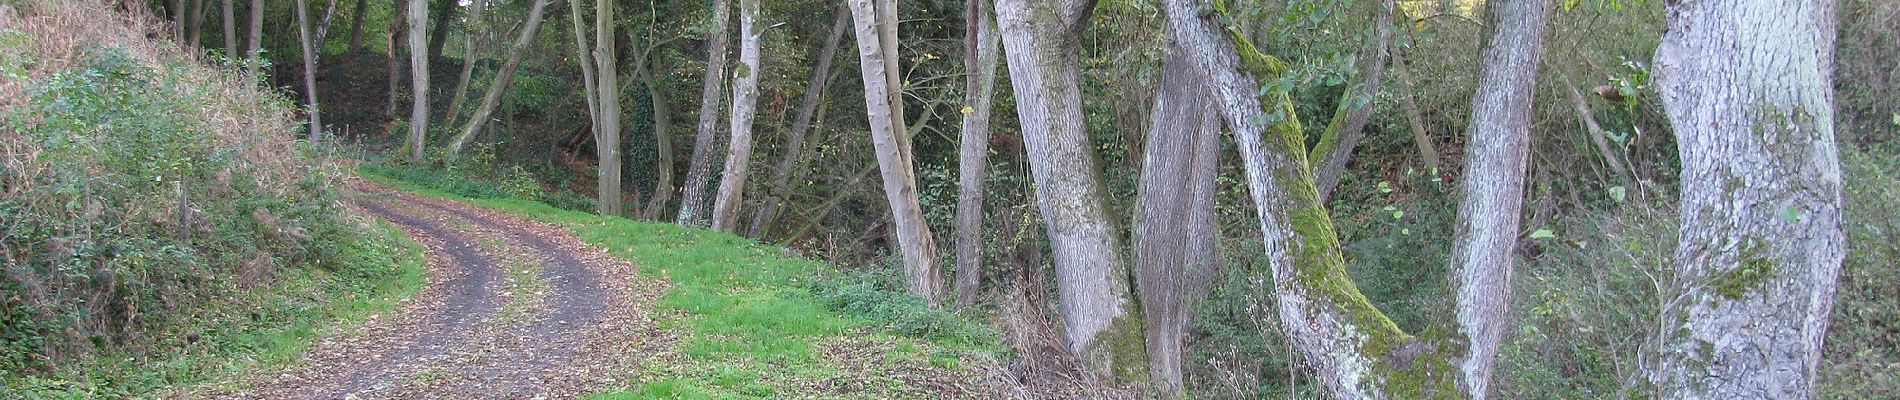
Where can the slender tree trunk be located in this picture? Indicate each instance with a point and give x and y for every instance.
(503, 79)
(980, 59)
(1355, 107)
(468, 59)
(419, 78)
(662, 139)
(699, 172)
(256, 37)
(1496, 159)
(1748, 86)
(230, 29)
(396, 43)
(356, 27)
(309, 70)
(1597, 137)
(1100, 319)
(1426, 150)
(1174, 227)
(195, 26)
(607, 140)
(584, 52)
(780, 188)
(179, 24)
(745, 97)
(914, 242)
(439, 34)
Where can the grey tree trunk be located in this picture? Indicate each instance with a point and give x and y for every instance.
(745, 96)
(468, 58)
(1747, 85)
(1355, 107)
(1100, 320)
(230, 29)
(1174, 225)
(914, 242)
(256, 38)
(1427, 151)
(780, 185)
(177, 8)
(705, 141)
(439, 33)
(503, 79)
(196, 24)
(607, 139)
(1597, 137)
(584, 53)
(419, 78)
(396, 43)
(980, 59)
(309, 70)
(662, 140)
(1485, 240)
(356, 27)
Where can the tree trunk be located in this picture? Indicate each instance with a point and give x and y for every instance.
(396, 41)
(257, 33)
(607, 138)
(1597, 137)
(195, 27)
(584, 52)
(662, 140)
(1100, 318)
(1174, 225)
(468, 59)
(1355, 107)
(230, 29)
(980, 56)
(419, 78)
(1496, 157)
(914, 241)
(503, 79)
(699, 172)
(356, 27)
(177, 8)
(439, 34)
(1747, 85)
(745, 97)
(309, 70)
(1422, 138)
(780, 189)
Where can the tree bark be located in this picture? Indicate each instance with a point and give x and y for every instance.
(257, 32)
(607, 138)
(468, 60)
(309, 70)
(699, 171)
(503, 79)
(195, 27)
(396, 43)
(914, 242)
(1597, 137)
(980, 59)
(1747, 85)
(419, 79)
(584, 52)
(795, 140)
(745, 97)
(1174, 225)
(439, 34)
(356, 28)
(1355, 107)
(1427, 152)
(178, 19)
(662, 140)
(230, 29)
(1100, 320)
(1496, 157)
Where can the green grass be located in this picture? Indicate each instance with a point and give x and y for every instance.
(248, 332)
(749, 319)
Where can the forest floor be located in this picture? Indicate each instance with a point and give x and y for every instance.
(519, 306)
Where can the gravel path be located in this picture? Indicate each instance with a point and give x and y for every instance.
(515, 309)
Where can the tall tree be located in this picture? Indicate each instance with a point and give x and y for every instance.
(503, 79)
(396, 45)
(356, 27)
(474, 23)
(419, 79)
(981, 52)
(871, 18)
(309, 69)
(1748, 86)
(1348, 125)
(1099, 312)
(584, 54)
(705, 141)
(607, 139)
(795, 140)
(1357, 351)
(439, 33)
(1174, 226)
(745, 96)
(256, 39)
(662, 137)
(195, 23)
(230, 29)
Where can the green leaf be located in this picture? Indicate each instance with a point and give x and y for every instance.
(1385, 187)
(1616, 193)
(1543, 234)
(1397, 214)
(1571, 4)
(1790, 213)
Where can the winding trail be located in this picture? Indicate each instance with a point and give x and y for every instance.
(516, 309)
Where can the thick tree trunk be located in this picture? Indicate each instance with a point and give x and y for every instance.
(1747, 85)
(607, 138)
(419, 79)
(1101, 323)
(980, 59)
(468, 59)
(503, 79)
(780, 189)
(309, 70)
(1355, 107)
(662, 140)
(1175, 232)
(745, 97)
(177, 8)
(699, 171)
(1485, 241)
(914, 241)
(230, 29)
(1427, 151)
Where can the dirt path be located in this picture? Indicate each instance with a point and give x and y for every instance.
(515, 309)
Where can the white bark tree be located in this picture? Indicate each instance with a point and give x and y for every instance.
(419, 78)
(706, 139)
(980, 59)
(607, 138)
(309, 70)
(1747, 85)
(914, 243)
(745, 96)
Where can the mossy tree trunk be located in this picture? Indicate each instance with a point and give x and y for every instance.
(745, 97)
(1748, 86)
(706, 140)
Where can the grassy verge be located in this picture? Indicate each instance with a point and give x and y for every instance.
(754, 323)
(248, 331)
